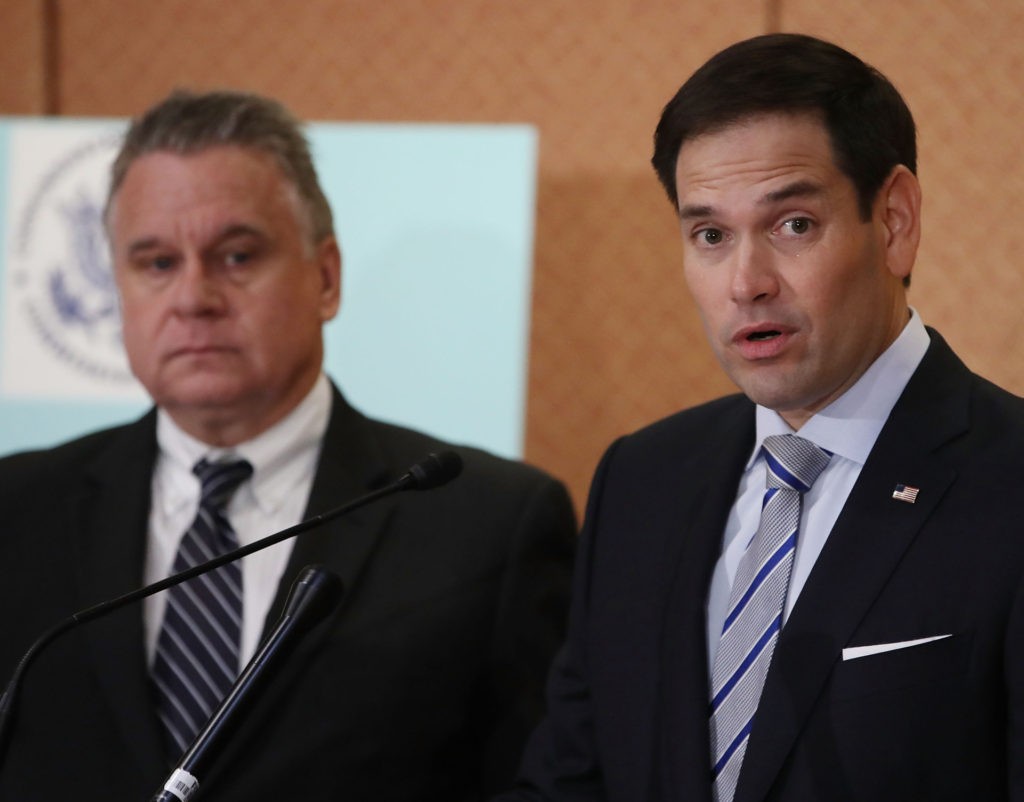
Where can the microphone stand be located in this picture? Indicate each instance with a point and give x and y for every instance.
(313, 595)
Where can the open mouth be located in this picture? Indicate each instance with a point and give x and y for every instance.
(759, 336)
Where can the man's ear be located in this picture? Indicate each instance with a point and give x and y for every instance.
(900, 210)
(328, 262)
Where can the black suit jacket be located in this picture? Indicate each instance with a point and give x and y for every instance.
(628, 698)
(422, 686)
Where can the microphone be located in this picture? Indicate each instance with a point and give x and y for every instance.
(313, 595)
(434, 470)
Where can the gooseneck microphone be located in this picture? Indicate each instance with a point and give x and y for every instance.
(314, 594)
(432, 471)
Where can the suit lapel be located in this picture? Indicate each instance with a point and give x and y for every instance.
(109, 526)
(351, 464)
(711, 489)
(865, 545)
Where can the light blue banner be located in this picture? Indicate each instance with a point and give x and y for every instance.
(436, 228)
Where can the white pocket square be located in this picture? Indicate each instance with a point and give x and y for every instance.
(853, 652)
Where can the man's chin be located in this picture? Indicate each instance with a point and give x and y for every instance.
(206, 396)
(774, 391)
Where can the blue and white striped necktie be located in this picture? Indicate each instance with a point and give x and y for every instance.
(197, 653)
(754, 616)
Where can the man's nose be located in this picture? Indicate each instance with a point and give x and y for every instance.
(196, 289)
(754, 276)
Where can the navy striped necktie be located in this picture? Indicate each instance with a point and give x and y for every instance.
(758, 596)
(197, 653)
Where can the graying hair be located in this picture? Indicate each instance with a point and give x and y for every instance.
(187, 122)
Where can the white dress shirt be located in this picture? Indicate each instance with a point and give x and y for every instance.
(284, 462)
(848, 427)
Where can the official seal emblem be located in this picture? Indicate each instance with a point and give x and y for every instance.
(60, 280)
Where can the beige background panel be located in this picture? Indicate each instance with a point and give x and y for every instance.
(615, 340)
(22, 57)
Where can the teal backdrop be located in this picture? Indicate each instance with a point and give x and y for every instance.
(436, 227)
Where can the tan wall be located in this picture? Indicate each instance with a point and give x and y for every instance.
(615, 340)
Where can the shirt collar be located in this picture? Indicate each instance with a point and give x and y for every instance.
(275, 454)
(850, 425)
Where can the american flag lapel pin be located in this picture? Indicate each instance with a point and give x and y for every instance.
(905, 493)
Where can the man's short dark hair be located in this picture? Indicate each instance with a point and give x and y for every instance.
(868, 122)
(186, 123)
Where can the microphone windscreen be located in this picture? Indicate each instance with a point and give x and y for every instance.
(313, 595)
(435, 470)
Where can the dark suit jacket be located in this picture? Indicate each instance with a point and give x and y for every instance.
(423, 685)
(628, 698)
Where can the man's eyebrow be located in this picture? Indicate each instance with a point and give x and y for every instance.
(143, 245)
(798, 189)
(238, 230)
(692, 211)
